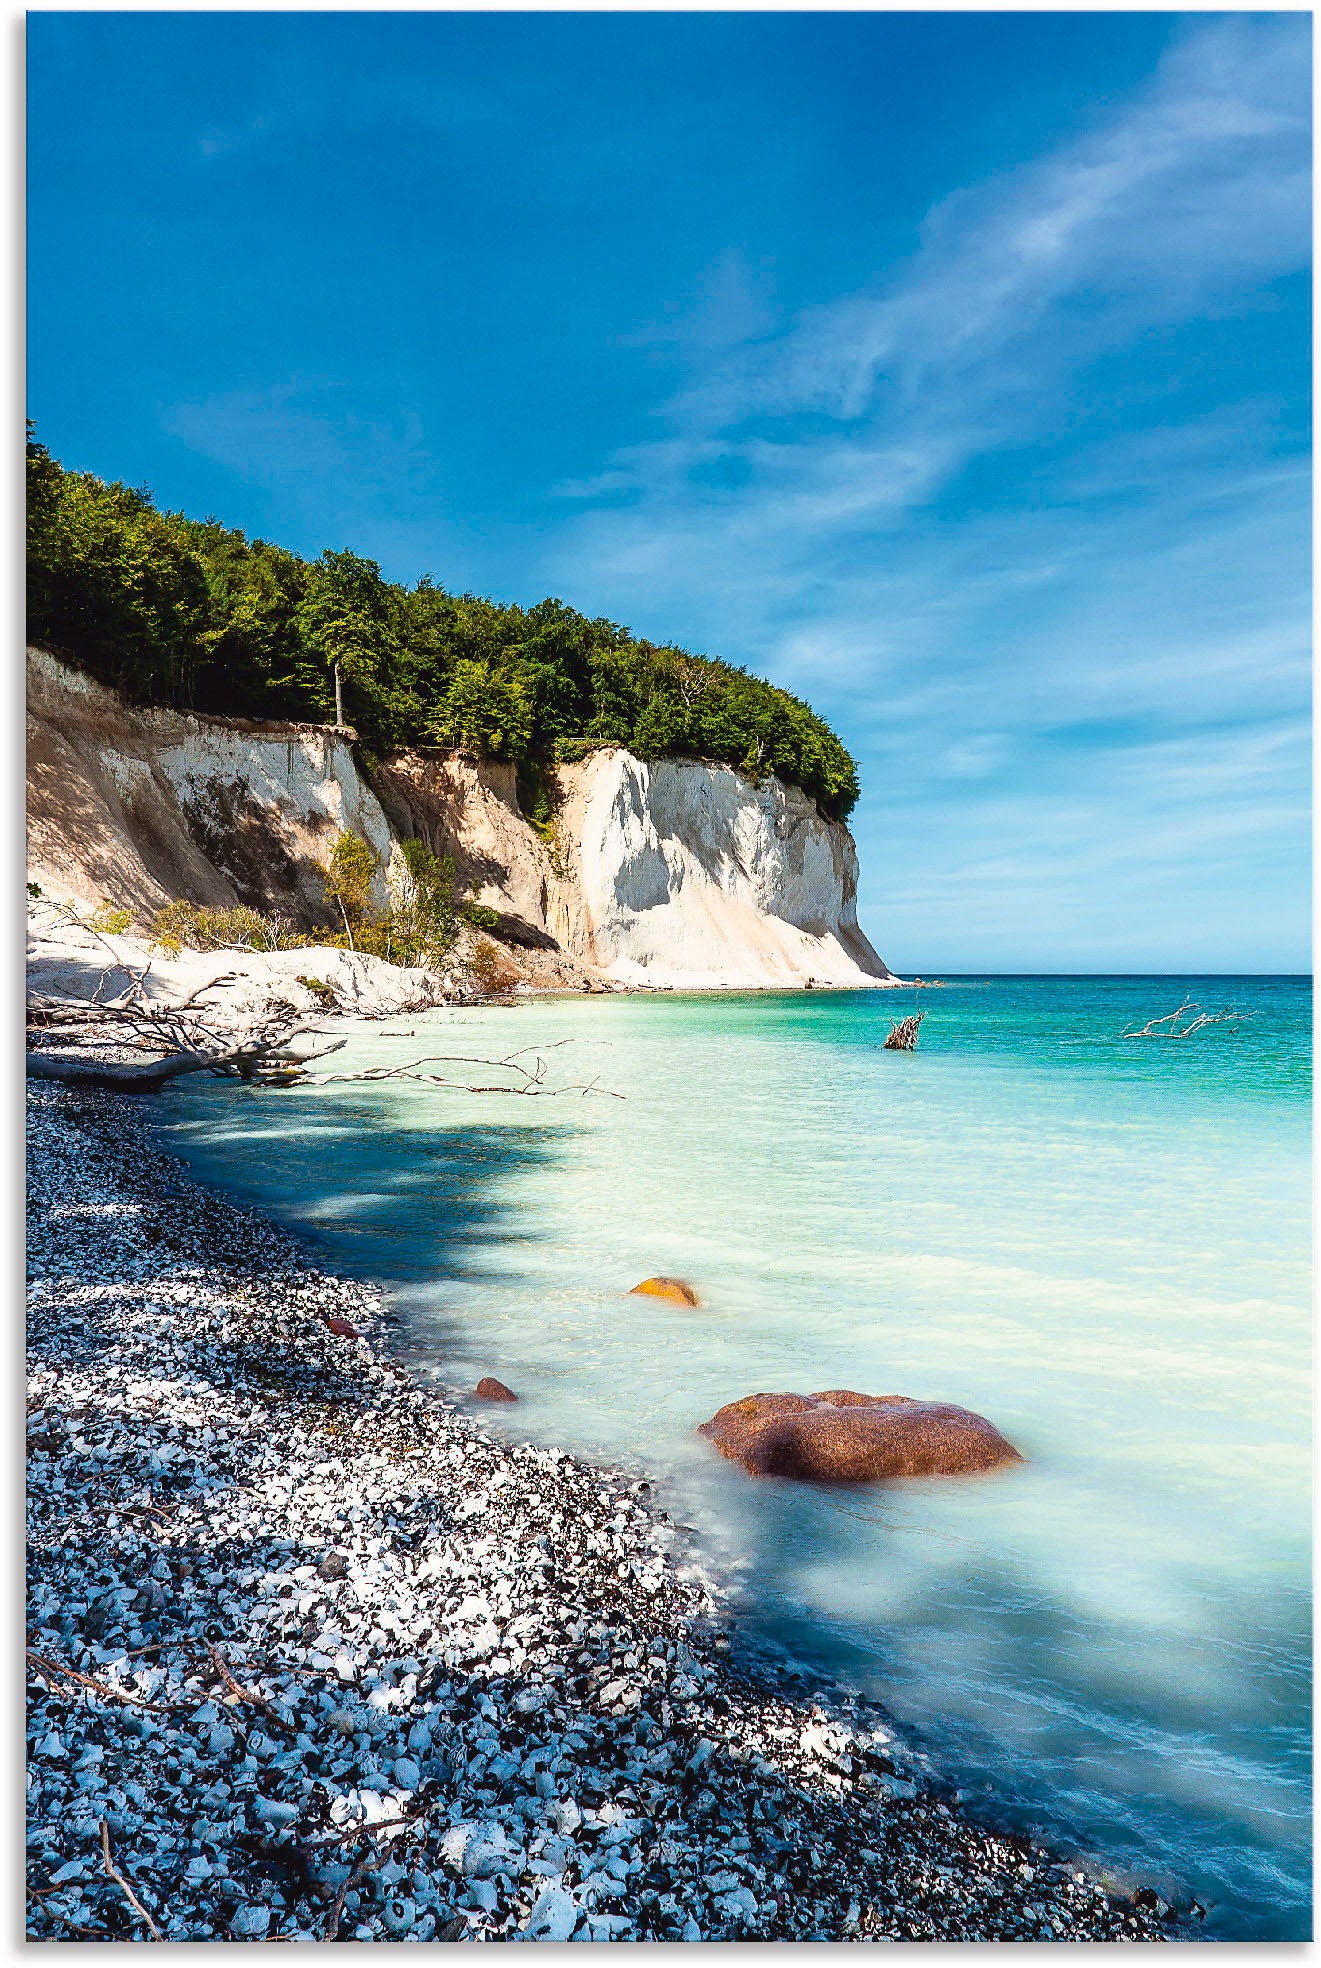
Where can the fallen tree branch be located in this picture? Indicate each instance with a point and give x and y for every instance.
(120, 1881)
(247, 1059)
(358, 1873)
(248, 1695)
(121, 1076)
(533, 1078)
(264, 1056)
(1197, 1018)
(348, 1833)
(468, 1086)
(52, 1672)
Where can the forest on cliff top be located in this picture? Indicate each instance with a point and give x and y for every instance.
(193, 614)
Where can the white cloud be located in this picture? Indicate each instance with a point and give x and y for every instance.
(805, 507)
(338, 478)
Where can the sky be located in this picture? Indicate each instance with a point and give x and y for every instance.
(951, 370)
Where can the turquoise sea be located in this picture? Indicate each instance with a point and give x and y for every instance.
(1101, 1243)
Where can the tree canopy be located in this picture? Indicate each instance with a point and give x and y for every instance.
(192, 613)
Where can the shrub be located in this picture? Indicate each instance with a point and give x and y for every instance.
(480, 916)
(240, 928)
(108, 919)
(426, 913)
(349, 879)
(491, 970)
(319, 989)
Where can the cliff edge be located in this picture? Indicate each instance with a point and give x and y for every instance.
(672, 873)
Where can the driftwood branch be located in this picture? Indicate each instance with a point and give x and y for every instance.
(53, 1672)
(249, 1695)
(1168, 1027)
(530, 1081)
(267, 1058)
(121, 1076)
(184, 1042)
(184, 1037)
(114, 1873)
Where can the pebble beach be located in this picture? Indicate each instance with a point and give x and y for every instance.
(314, 1656)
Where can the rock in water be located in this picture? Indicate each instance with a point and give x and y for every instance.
(490, 1389)
(677, 1289)
(842, 1437)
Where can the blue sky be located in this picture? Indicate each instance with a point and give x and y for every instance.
(950, 369)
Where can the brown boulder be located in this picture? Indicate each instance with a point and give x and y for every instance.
(341, 1328)
(677, 1289)
(842, 1437)
(489, 1389)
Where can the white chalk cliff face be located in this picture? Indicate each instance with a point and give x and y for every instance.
(690, 875)
(671, 873)
(145, 807)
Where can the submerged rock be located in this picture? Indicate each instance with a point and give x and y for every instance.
(490, 1389)
(842, 1437)
(676, 1289)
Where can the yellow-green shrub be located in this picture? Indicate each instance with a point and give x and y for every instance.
(109, 920)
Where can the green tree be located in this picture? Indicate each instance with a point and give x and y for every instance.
(110, 583)
(484, 712)
(349, 618)
(252, 649)
(428, 909)
(349, 879)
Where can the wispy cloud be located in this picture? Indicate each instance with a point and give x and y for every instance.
(971, 507)
(350, 476)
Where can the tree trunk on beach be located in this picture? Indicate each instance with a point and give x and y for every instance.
(124, 1076)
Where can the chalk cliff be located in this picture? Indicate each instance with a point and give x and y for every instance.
(693, 874)
(665, 873)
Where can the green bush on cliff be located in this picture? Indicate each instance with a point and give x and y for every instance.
(192, 613)
(192, 925)
(421, 925)
(349, 879)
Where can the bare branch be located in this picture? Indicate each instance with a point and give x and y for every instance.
(533, 1078)
(53, 1671)
(122, 1077)
(123, 1885)
(358, 1873)
(70, 915)
(248, 1058)
(1197, 1020)
(248, 1695)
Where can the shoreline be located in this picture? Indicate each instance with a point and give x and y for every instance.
(351, 1665)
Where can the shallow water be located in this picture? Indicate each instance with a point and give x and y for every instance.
(1101, 1243)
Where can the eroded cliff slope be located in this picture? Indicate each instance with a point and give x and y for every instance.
(669, 873)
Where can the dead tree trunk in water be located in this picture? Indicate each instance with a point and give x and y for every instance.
(903, 1036)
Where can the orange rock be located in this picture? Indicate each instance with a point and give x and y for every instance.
(842, 1437)
(341, 1328)
(489, 1389)
(677, 1289)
